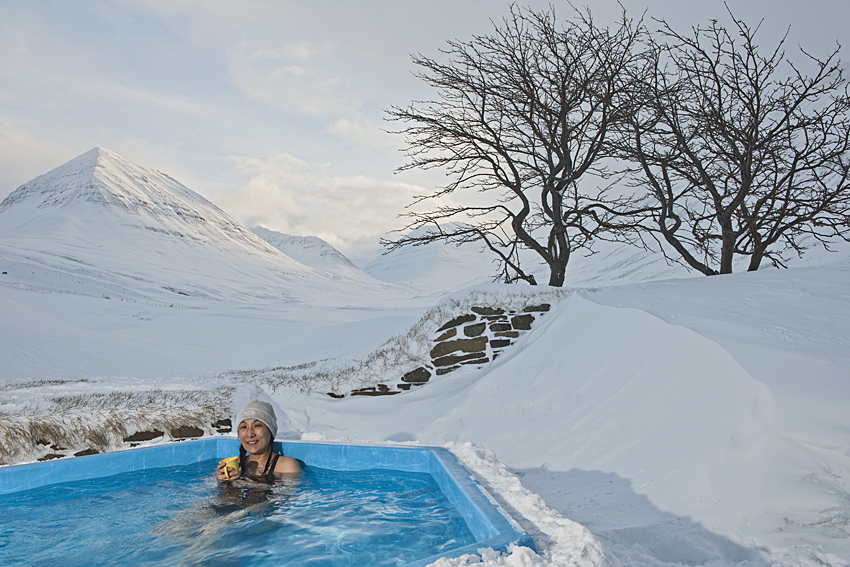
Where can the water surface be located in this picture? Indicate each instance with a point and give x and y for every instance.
(181, 516)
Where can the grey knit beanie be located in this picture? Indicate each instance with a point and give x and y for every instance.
(261, 411)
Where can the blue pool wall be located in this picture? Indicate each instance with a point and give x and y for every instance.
(485, 518)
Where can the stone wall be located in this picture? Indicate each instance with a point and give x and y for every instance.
(474, 338)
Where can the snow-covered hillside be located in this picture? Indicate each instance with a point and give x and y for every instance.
(311, 251)
(101, 225)
(106, 265)
(642, 421)
(434, 268)
(438, 268)
(684, 422)
(100, 182)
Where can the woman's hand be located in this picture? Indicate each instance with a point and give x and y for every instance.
(223, 472)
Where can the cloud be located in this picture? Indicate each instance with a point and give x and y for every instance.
(298, 75)
(302, 51)
(364, 130)
(295, 197)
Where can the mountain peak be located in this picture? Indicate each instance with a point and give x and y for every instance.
(100, 156)
(97, 152)
(102, 178)
(101, 187)
(72, 181)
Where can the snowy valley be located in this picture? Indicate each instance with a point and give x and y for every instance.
(651, 417)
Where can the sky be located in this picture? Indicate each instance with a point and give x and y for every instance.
(275, 110)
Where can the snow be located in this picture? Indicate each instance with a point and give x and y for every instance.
(311, 251)
(434, 269)
(651, 418)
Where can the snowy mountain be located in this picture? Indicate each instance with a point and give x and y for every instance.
(101, 180)
(100, 224)
(434, 268)
(311, 251)
(437, 267)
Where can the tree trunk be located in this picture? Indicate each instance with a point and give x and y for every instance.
(558, 272)
(727, 249)
(755, 259)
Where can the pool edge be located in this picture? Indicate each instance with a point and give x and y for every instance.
(491, 525)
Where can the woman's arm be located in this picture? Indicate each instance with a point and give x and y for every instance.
(287, 466)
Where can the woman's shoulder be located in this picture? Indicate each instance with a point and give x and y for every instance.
(287, 465)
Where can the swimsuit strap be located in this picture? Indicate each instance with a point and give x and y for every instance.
(271, 463)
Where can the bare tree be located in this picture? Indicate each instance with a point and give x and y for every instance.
(741, 159)
(521, 117)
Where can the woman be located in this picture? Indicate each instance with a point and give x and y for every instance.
(251, 494)
(256, 425)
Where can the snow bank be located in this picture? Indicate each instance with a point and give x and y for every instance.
(650, 434)
(559, 541)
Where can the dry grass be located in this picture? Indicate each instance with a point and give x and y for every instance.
(102, 421)
(38, 384)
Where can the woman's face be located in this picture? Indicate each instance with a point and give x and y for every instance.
(255, 436)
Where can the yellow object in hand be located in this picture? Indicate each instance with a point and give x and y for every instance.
(233, 463)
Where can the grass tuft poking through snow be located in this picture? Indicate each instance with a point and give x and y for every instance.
(102, 421)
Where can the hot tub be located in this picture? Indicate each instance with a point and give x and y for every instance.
(489, 524)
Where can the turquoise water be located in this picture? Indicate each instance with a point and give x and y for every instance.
(180, 516)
